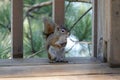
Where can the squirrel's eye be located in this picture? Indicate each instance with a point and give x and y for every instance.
(62, 30)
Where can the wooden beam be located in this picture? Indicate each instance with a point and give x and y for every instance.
(17, 28)
(58, 11)
(114, 33)
(94, 29)
(56, 70)
(101, 30)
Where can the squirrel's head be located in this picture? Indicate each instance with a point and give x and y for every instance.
(61, 30)
(51, 27)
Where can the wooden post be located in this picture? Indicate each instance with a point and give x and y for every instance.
(58, 11)
(17, 28)
(94, 29)
(101, 31)
(114, 33)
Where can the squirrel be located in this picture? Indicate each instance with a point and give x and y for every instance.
(56, 40)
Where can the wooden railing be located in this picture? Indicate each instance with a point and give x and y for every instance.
(17, 23)
(17, 28)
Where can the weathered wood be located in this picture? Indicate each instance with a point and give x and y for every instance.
(57, 70)
(109, 31)
(106, 28)
(114, 31)
(58, 11)
(17, 28)
(45, 61)
(94, 29)
(102, 31)
(100, 26)
(71, 77)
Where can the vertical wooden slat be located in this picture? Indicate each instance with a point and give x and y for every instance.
(58, 11)
(114, 33)
(105, 28)
(17, 28)
(102, 18)
(109, 45)
(94, 29)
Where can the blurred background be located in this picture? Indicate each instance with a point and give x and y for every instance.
(79, 43)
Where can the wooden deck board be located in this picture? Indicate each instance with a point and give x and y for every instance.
(45, 61)
(83, 77)
(57, 70)
(20, 69)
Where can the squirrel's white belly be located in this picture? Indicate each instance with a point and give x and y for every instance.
(57, 53)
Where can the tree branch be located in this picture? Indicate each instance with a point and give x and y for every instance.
(40, 51)
(67, 6)
(80, 18)
(31, 38)
(84, 1)
(40, 5)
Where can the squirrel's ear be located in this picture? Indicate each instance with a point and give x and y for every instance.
(57, 26)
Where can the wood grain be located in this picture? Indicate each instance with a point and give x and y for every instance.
(57, 69)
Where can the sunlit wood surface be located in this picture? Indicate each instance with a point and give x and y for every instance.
(34, 69)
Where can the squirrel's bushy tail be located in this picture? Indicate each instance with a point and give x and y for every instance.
(49, 27)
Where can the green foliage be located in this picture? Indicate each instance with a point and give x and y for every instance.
(5, 16)
(5, 28)
(33, 27)
(32, 2)
(5, 48)
(37, 38)
(83, 29)
(38, 12)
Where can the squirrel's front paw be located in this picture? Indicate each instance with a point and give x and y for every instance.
(63, 44)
